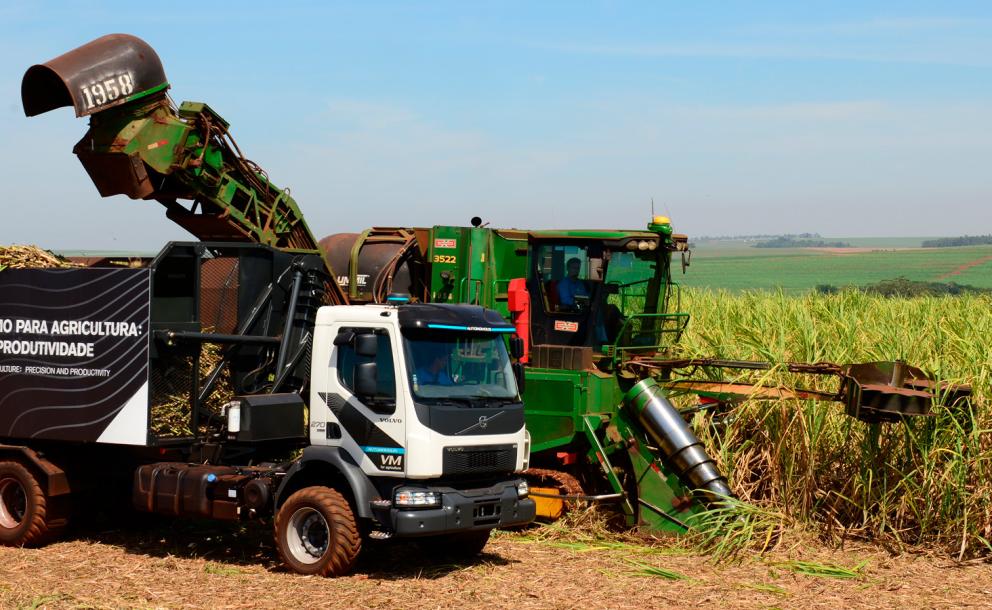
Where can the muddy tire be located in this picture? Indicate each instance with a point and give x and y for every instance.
(23, 508)
(316, 533)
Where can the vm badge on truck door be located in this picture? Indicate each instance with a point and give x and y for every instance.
(386, 458)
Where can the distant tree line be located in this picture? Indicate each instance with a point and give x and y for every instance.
(756, 236)
(784, 241)
(903, 287)
(964, 240)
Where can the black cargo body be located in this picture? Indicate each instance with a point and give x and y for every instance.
(74, 347)
(97, 354)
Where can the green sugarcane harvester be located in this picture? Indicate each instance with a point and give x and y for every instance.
(600, 317)
(597, 313)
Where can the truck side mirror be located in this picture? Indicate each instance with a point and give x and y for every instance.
(366, 345)
(518, 374)
(516, 348)
(344, 337)
(366, 376)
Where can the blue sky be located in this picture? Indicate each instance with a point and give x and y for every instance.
(844, 118)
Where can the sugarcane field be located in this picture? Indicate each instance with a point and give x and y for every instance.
(390, 305)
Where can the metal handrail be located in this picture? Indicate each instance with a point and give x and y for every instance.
(679, 323)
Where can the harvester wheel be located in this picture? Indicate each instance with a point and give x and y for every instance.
(316, 533)
(23, 508)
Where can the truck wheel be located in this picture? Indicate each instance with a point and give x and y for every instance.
(316, 533)
(23, 508)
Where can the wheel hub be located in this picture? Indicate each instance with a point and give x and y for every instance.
(13, 503)
(308, 535)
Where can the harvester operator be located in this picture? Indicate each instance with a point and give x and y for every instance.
(572, 290)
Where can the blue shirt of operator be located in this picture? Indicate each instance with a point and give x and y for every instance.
(426, 376)
(568, 289)
(571, 286)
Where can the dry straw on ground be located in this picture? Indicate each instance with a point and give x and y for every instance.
(182, 565)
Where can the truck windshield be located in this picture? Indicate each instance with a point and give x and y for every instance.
(458, 365)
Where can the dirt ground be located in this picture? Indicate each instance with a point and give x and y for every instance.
(180, 565)
(962, 268)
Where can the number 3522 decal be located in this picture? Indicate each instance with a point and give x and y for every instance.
(109, 90)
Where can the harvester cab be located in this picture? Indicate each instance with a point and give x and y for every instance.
(605, 292)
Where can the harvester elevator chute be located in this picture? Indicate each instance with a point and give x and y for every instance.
(141, 145)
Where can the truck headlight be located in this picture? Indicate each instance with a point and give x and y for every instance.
(522, 489)
(416, 498)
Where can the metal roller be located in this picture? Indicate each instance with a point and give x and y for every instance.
(374, 263)
(679, 446)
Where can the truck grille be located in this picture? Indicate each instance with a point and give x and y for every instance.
(481, 458)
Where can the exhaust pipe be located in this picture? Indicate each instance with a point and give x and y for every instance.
(679, 446)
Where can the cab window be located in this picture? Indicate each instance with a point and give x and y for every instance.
(567, 274)
(348, 359)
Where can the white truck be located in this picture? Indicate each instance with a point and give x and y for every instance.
(341, 422)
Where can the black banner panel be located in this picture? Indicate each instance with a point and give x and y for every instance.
(74, 354)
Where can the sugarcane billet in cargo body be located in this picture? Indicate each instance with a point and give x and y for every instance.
(385, 445)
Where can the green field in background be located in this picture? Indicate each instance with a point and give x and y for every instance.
(740, 247)
(734, 265)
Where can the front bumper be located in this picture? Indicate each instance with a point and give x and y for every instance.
(461, 510)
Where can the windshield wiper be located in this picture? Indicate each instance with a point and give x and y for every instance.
(476, 402)
(450, 401)
(494, 401)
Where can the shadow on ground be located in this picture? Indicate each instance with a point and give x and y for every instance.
(252, 544)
